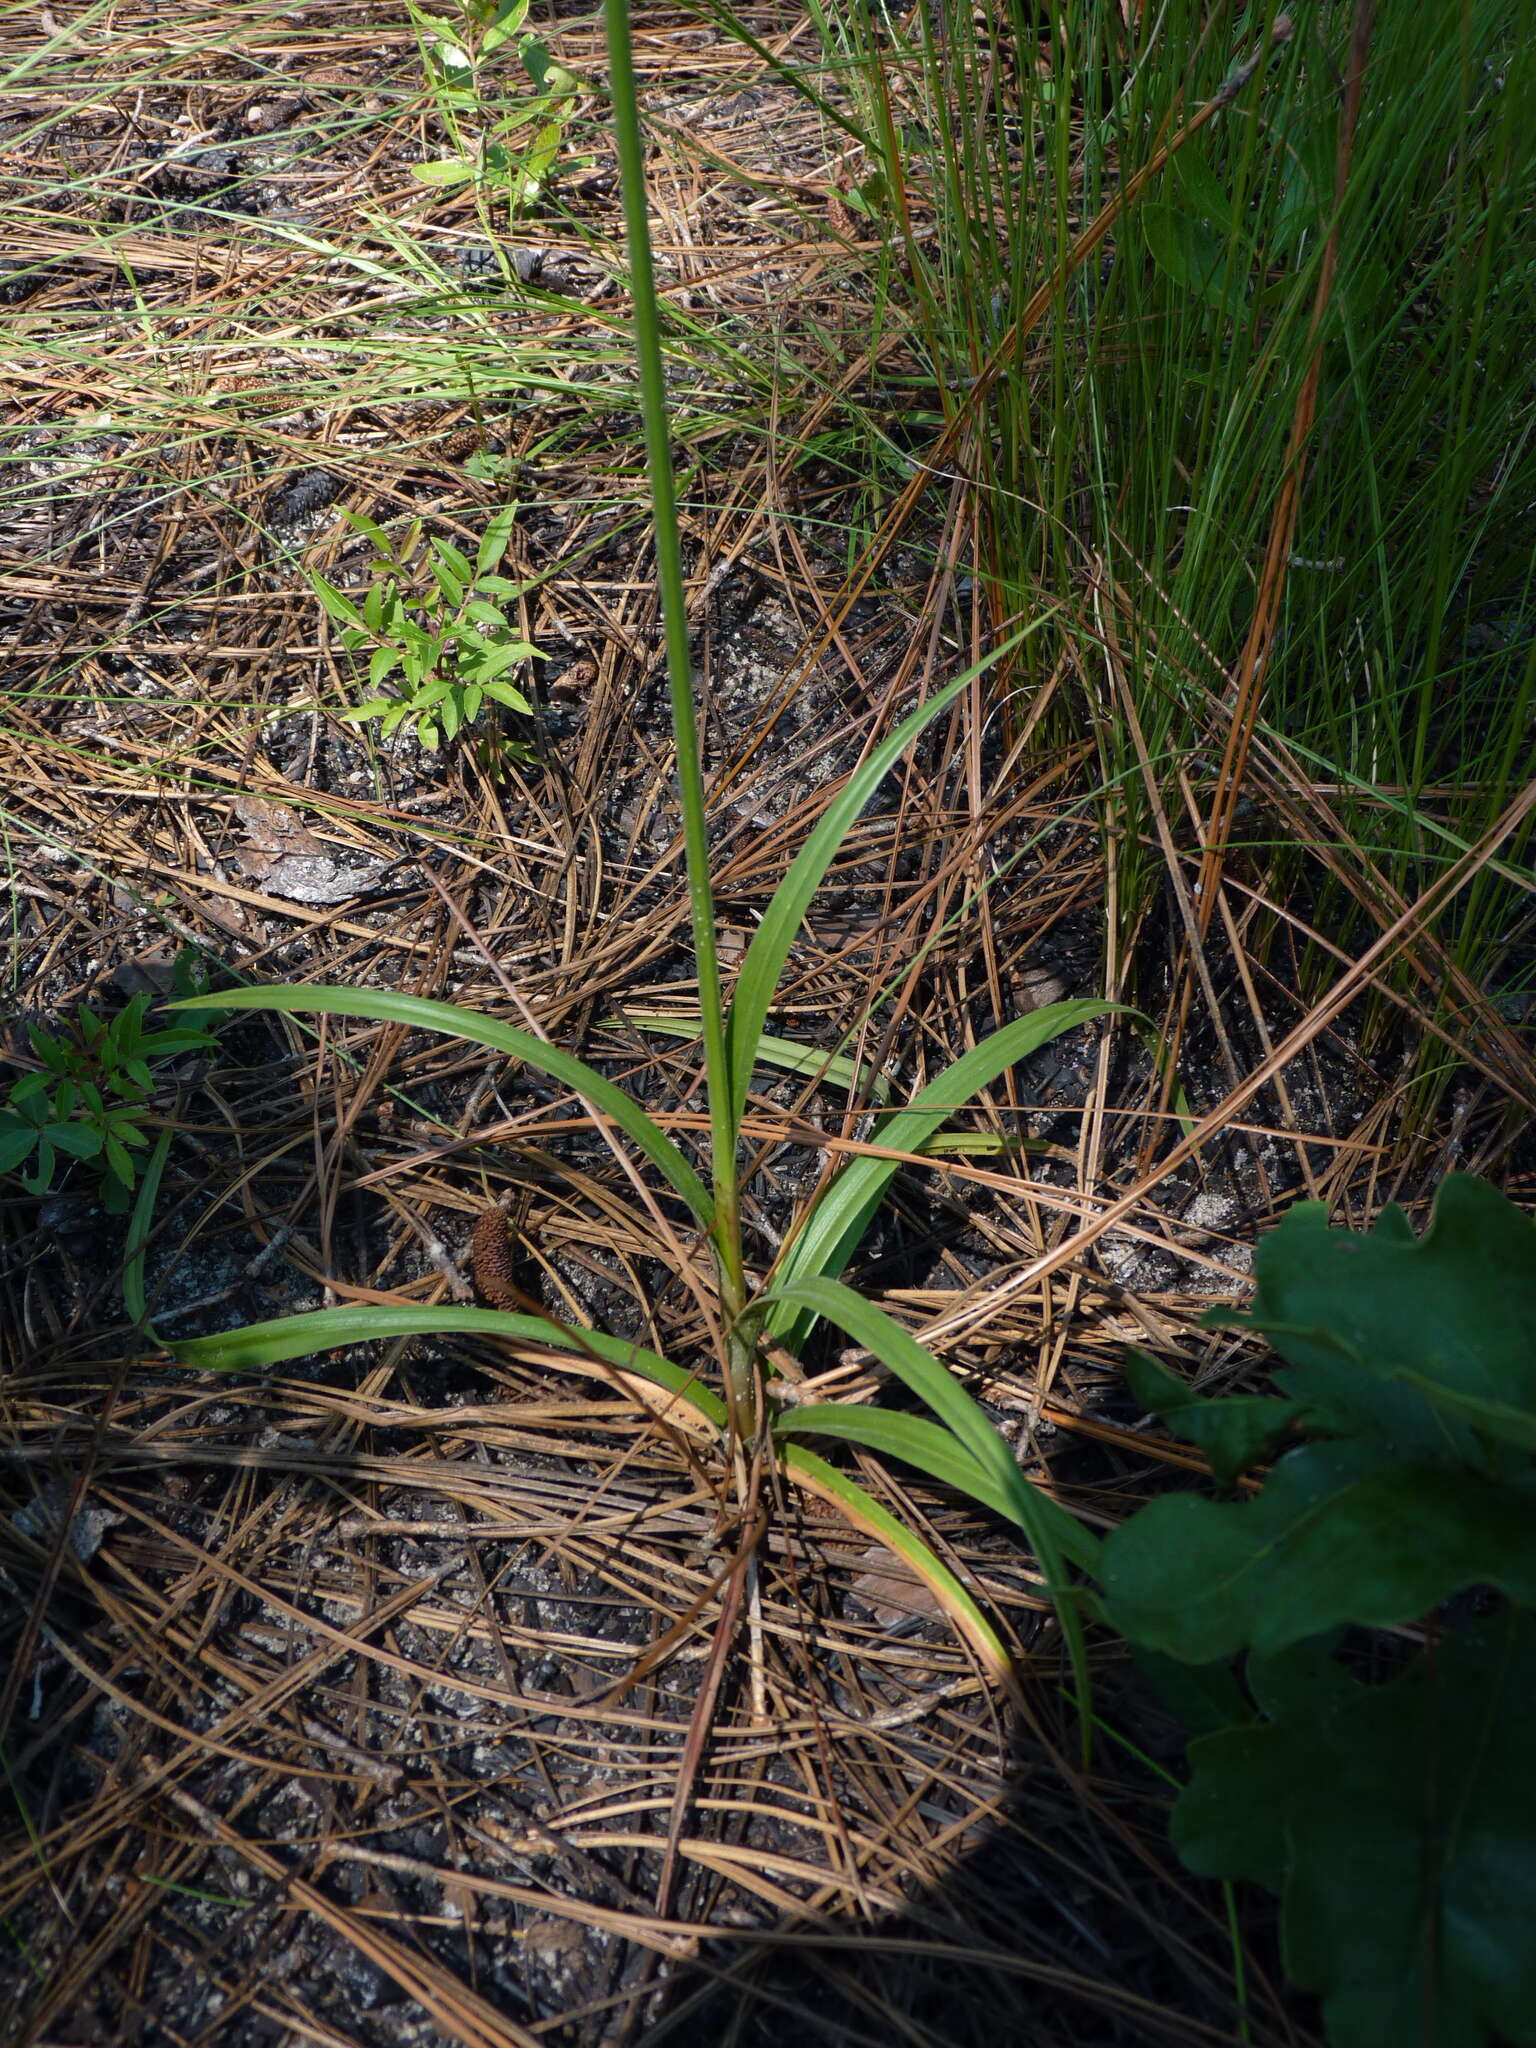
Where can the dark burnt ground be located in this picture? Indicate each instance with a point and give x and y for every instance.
(355, 1704)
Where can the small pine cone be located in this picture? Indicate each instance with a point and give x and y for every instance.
(490, 1260)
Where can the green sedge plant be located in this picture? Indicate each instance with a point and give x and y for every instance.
(1388, 1801)
(447, 649)
(959, 1446)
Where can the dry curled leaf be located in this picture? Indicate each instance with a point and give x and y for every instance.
(893, 1593)
(284, 858)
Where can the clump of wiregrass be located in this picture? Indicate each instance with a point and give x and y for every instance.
(1226, 325)
(755, 1321)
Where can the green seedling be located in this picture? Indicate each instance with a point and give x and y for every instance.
(738, 1396)
(91, 1094)
(450, 646)
(1395, 1821)
(509, 151)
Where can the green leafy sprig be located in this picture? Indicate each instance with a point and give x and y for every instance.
(451, 646)
(91, 1093)
(510, 150)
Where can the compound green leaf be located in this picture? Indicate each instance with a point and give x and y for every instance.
(1395, 1824)
(444, 170)
(83, 1141)
(493, 545)
(503, 22)
(448, 583)
(118, 1160)
(16, 1142)
(508, 694)
(370, 530)
(488, 662)
(453, 559)
(340, 607)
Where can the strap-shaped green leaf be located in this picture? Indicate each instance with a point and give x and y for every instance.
(420, 1013)
(831, 1233)
(926, 1445)
(787, 1054)
(134, 1297)
(261, 1345)
(1052, 1533)
(866, 1513)
(758, 982)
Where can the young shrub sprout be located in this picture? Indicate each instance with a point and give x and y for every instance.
(447, 651)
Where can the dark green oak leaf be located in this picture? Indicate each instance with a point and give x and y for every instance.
(1233, 1430)
(1341, 1533)
(1396, 1825)
(1202, 1697)
(1423, 1343)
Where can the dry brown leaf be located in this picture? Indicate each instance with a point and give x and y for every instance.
(286, 859)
